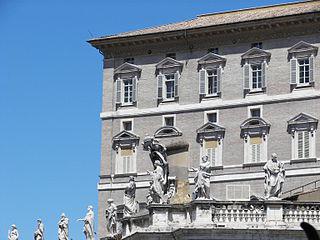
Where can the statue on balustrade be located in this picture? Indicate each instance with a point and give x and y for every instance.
(130, 204)
(159, 176)
(88, 221)
(111, 215)
(202, 180)
(63, 228)
(13, 234)
(274, 177)
(39, 233)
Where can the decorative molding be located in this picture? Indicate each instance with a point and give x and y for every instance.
(234, 177)
(254, 126)
(210, 131)
(302, 122)
(167, 131)
(127, 68)
(255, 53)
(303, 48)
(168, 63)
(207, 105)
(212, 59)
(125, 139)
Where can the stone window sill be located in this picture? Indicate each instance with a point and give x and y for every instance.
(302, 160)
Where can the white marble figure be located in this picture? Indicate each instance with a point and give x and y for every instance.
(88, 220)
(202, 180)
(130, 204)
(13, 234)
(111, 215)
(157, 187)
(63, 228)
(274, 177)
(39, 233)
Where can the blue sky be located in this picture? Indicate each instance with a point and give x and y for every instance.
(50, 99)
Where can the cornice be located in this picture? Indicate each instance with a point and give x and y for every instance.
(210, 105)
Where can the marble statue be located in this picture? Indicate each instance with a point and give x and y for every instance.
(130, 204)
(159, 175)
(13, 234)
(39, 233)
(63, 228)
(274, 177)
(202, 180)
(111, 215)
(88, 220)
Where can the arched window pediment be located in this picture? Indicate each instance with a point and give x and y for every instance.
(210, 131)
(125, 139)
(302, 122)
(167, 131)
(254, 126)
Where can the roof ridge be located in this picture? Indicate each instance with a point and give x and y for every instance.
(254, 8)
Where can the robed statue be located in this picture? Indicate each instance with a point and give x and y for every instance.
(130, 204)
(111, 215)
(13, 233)
(202, 180)
(63, 228)
(88, 220)
(39, 233)
(274, 177)
(159, 175)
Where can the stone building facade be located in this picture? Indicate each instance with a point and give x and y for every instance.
(236, 86)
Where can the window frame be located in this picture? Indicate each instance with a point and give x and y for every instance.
(164, 87)
(168, 116)
(123, 103)
(121, 158)
(126, 120)
(250, 108)
(205, 116)
(218, 152)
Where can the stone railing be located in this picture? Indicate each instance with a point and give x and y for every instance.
(209, 214)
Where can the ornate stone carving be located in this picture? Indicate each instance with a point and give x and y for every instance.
(274, 177)
(63, 228)
(39, 233)
(202, 180)
(111, 215)
(130, 204)
(13, 233)
(88, 221)
(159, 185)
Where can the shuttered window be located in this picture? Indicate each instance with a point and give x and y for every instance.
(238, 192)
(303, 149)
(210, 81)
(255, 148)
(302, 71)
(210, 149)
(125, 161)
(126, 91)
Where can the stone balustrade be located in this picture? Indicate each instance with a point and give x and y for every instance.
(204, 214)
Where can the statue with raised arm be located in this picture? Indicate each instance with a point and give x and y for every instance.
(88, 220)
(130, 204)
(159, 175)
(39, 233)
(13, 233)
(202, 180)
(63, 228)
(274, 177)
(111, 215)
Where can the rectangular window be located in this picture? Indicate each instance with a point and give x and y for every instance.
(171, 55)
(255, 148)
(210, 147)
(256, 76)
(212, 117)
(257, 45)
(213, 50)
(238, 192)
(169, 121)
(169, 86)
(255, 112)
(127, 91)
(303, 144)
(129, 60)
(212, 76)
(304, 71)
(125, 161)
(127, 125)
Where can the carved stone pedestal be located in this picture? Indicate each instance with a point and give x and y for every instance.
(274, 217)
(159, 215)
(202, 212)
